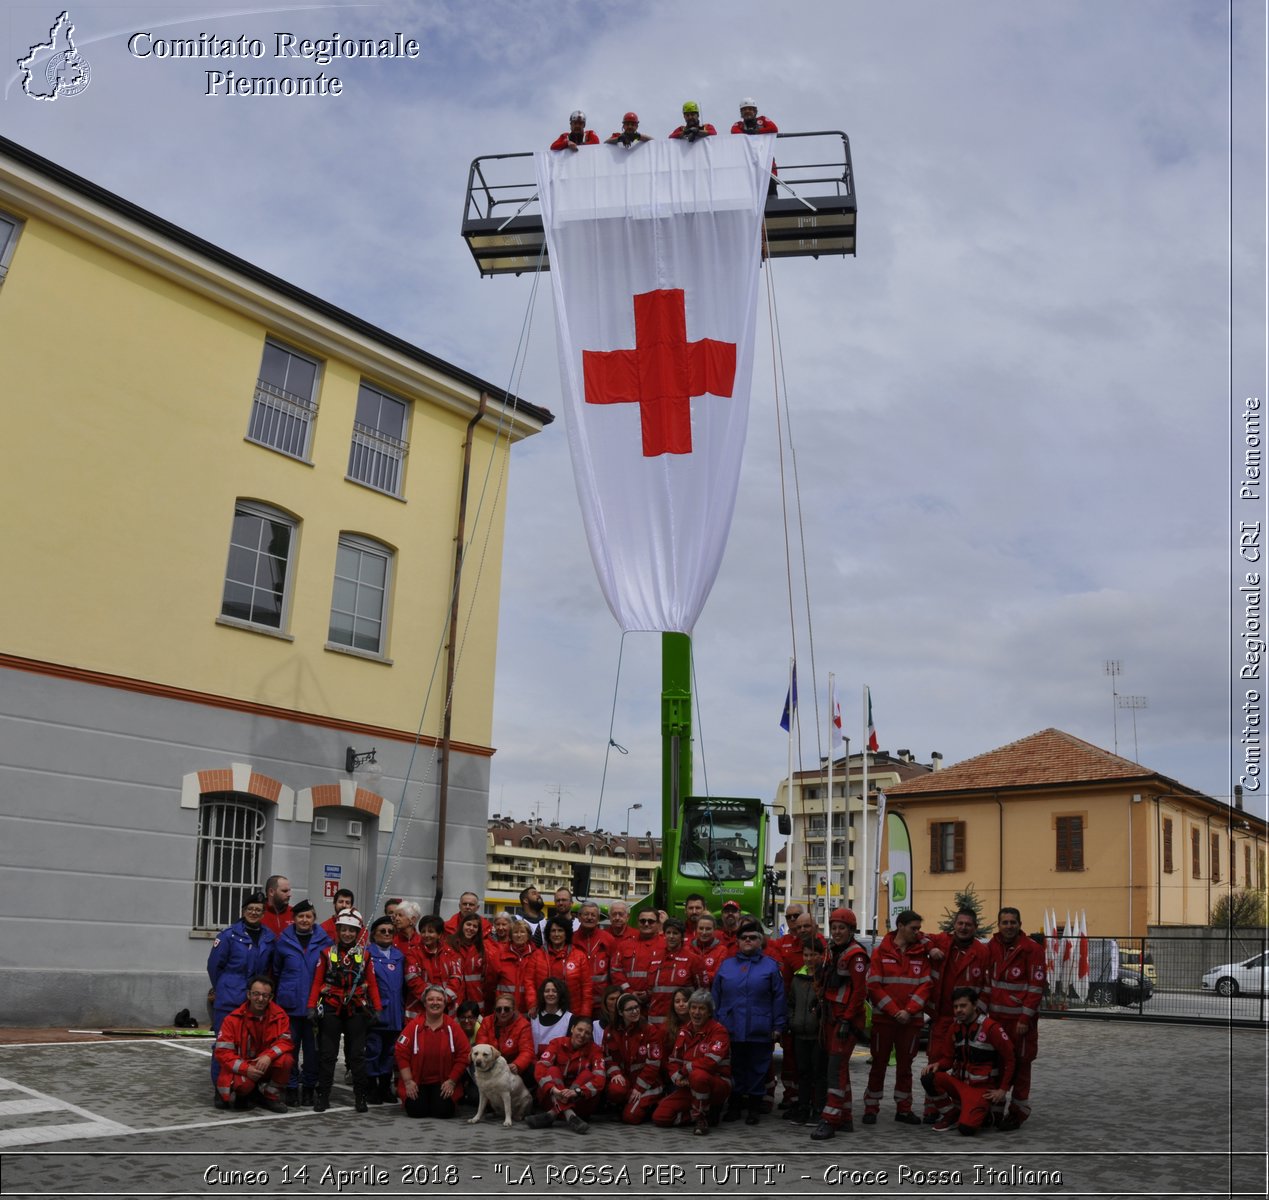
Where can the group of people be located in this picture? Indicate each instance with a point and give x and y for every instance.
(692, 128)
(663, 1019)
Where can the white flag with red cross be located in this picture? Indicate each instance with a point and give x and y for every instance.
(655, 257)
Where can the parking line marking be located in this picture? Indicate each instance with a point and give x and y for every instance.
(67, 1106)
(12, 1108)
(35, 1134)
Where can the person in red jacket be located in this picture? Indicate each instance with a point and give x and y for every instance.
(432, 1054)
(597, 945)
(1014, 991)
(678, 967)
(570, 1075)
(632, 968)
(692, 128)
(898, 986)
(699, 1069)
(468, 946)
(957, 960)
(709, 946)
(405, 922)
(254, 1050)
(751, 122)
(516, 970)
(342, 901)
(344, 1001)
(569, 963)
(278, 913)
(431, 960)
(628, 135)
(845, 989)
(974, 1072)
(468, 906)
(633, 1051)
(577, 134)
(619, 928)
(511, 1035)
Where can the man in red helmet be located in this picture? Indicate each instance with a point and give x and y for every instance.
(628, 135)
(577, 134)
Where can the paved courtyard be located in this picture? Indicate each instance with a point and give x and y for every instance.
(1119, 1110)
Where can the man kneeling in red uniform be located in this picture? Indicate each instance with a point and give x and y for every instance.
(254, 1050)
(976, 1074)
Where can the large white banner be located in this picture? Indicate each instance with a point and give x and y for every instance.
(655, 259)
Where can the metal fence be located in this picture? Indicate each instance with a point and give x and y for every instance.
(1181, 976)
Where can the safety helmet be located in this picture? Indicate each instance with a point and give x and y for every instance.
(748, 102)
(350, 916)
(691, 106)
(845, 915)
(577, 115)
(630, 117)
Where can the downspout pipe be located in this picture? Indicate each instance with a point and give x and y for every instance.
(451, 654)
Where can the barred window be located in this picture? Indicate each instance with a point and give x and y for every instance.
(378, 441)
(1070, 843)
(231, 830)
(285, 401)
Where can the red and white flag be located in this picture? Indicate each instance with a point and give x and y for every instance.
(655, 253)
(836, 740)
(871, 740)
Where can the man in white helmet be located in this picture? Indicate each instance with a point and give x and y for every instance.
(751, 122)
(577, 134)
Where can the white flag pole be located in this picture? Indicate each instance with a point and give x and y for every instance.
(828, 809)
(788, 791)
(864, 926)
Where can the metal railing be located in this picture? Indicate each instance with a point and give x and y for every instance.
(1180, 977)
(375, 459)
(280, 420)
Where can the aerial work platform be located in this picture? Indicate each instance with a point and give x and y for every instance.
(810, 213)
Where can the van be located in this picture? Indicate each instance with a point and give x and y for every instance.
(1131, 957)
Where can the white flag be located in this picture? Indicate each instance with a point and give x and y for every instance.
(655, 255)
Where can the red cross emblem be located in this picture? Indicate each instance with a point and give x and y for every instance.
(662, 373)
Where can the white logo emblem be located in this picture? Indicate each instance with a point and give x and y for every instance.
(55, 68)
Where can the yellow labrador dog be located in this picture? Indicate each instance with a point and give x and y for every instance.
(500, 1087)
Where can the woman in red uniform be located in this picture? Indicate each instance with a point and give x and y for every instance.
(515, 970)
(432, 1053)
(568, 962)
(633, 1051)
(699, 1068)
(469, 948)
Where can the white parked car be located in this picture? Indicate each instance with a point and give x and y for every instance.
(1230, 979)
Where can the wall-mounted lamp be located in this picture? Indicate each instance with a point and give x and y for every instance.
(353, 760)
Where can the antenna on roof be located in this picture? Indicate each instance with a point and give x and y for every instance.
(1114, 668)
(1134, 702)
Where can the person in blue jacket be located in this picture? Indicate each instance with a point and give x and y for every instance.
(239, 952)
(748, 995)
(389, 964)
(294, 961)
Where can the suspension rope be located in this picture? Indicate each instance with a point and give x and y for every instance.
(612, 745)
(406, 815)
(700, 724)
(797, 491)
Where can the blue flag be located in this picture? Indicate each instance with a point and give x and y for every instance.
(790, 703)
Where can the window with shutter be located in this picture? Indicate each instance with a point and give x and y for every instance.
(1070, 843)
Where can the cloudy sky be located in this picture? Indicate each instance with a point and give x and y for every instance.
(1013, 413)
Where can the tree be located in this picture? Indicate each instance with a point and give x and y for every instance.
(967, 899)
(1243, 909)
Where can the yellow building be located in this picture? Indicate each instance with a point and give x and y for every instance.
(232, 513)
(1051, 821)
(593, 864)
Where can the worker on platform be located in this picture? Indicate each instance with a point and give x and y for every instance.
(577, 134)
(628, 135)
(751, 122)
(692, 128)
